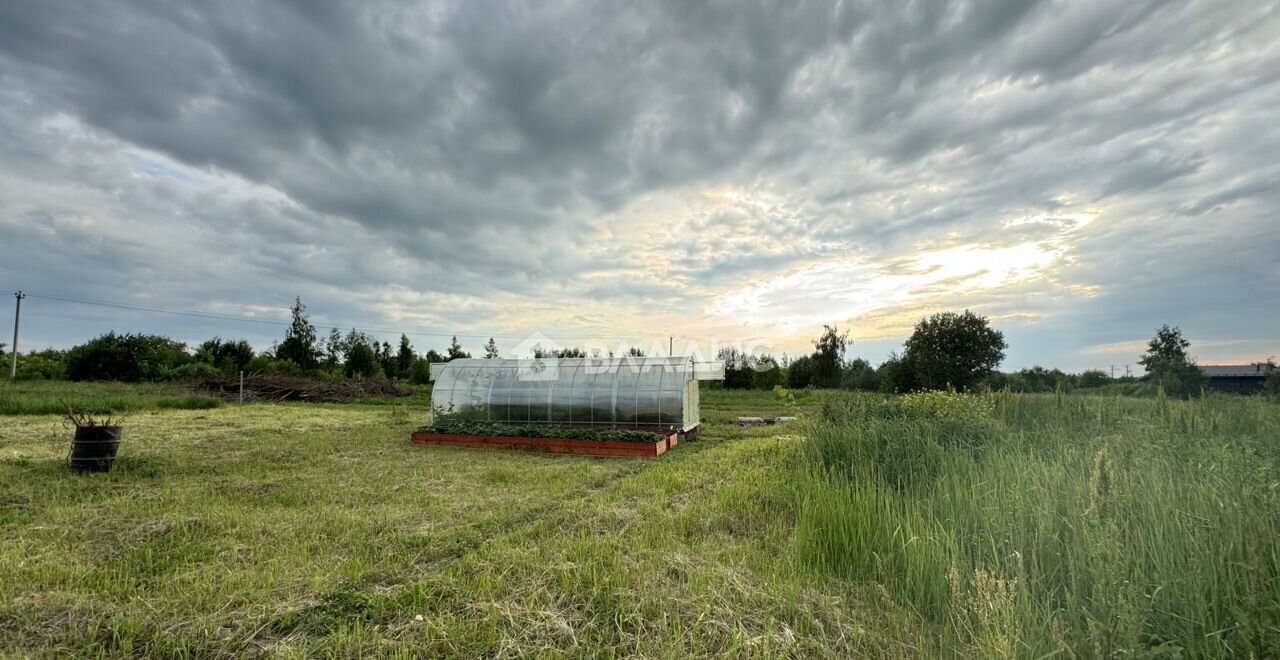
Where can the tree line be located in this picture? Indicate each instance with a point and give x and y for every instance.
(130, 357)
(945, 350)
(961, 351)
(948, 350)
(140, 357)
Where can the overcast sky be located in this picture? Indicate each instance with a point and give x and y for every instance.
(1080, 172)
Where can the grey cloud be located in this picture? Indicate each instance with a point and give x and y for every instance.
(1145, 171)
(479, 148)
(1244, 188)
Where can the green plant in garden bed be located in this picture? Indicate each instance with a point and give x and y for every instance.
(501, 430)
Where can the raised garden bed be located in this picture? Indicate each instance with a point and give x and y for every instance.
(591, 442)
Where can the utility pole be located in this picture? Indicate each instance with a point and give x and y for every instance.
(1113, 371)
(671, 346)
(17, 316)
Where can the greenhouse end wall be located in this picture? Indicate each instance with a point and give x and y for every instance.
(645, 393)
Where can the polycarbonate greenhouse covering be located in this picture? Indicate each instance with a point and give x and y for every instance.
(628, 392)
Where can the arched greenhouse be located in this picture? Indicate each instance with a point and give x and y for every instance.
(656, 393)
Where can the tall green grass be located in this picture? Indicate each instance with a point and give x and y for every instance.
(56, 397)
(1043, 524)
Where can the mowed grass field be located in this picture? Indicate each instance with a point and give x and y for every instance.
(1015, 526)
(304, 530)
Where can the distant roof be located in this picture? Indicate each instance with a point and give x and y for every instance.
(1258, 370)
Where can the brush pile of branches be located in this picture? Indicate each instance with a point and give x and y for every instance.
(276, 387)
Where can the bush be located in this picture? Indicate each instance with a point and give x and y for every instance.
(48, 364)
(1183, 381)
(196, 371)
(1127, 388)
(996, 381)
(860, 408)
(129, 358)
(420, 372)
(266, 364)
(949, 405)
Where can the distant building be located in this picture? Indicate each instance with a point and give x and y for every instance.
(1239, 378)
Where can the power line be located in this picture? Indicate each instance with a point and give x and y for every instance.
(142, 308)
(282, 323)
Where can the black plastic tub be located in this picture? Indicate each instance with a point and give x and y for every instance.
(94, 448)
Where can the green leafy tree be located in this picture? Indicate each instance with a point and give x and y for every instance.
(800, 372)
(491, 349)
(386, 359)
(334, 349)
(1039, 379)
(299, 345)
(997, 381)
(953, 350)
(1272, 384)
(433, 356)
(1168, 346)
(828, 358)
(361, 357)
(1094, 378)
(860, 375)
(455, 350)
(897, 375)
(420, 371)
(227, 357)
(635, 352)
(1168, 364)
(738, 372)
(767, 374)
(404, 357)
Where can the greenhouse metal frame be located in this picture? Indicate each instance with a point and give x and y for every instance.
(658, 393)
